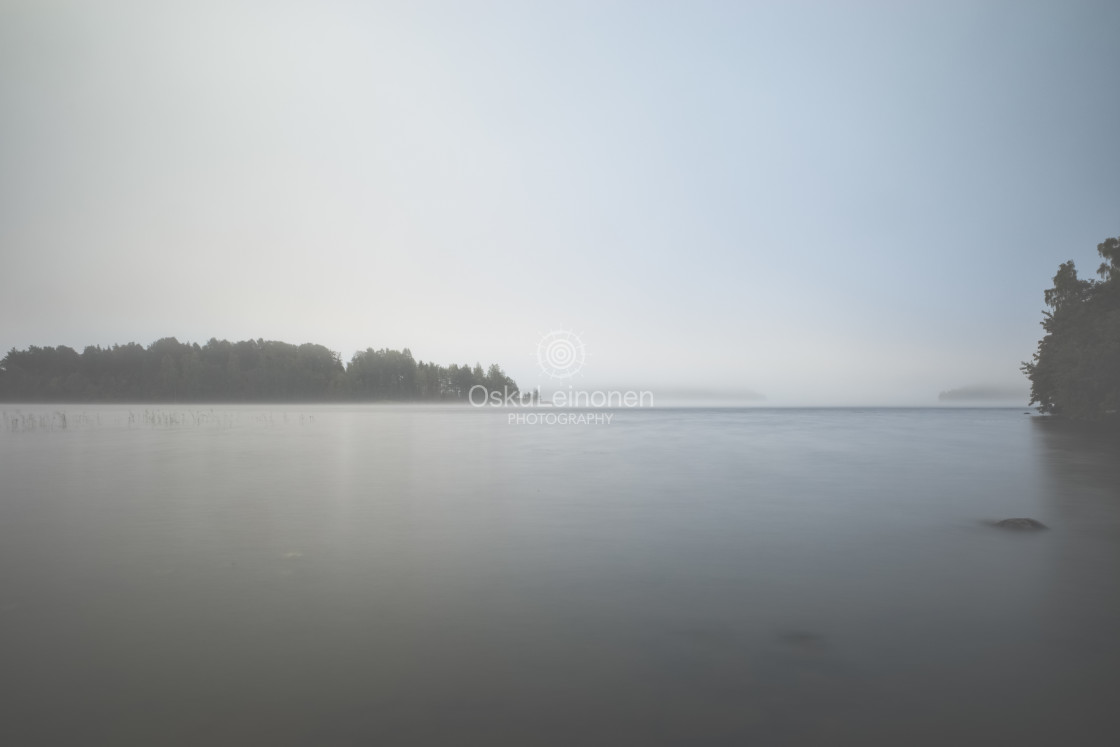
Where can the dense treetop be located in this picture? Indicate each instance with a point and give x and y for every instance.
(250, 370)
(1076, 369)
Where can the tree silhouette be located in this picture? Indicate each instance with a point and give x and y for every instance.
(1075, 371)
(221, 371)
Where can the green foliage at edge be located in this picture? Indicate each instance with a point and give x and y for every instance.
(1075, 373)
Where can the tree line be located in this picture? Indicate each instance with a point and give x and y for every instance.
(1075, 372)
(222, 371)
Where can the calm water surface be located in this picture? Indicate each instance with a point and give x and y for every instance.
(309, 575)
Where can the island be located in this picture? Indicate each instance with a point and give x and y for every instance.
(246, 371)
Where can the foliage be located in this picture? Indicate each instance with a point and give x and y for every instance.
(1076, 370)
(221, 371)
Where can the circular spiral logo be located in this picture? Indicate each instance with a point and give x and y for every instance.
(560, 354)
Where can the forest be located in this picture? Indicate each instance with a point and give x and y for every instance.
(222, 371)
(1075, 372)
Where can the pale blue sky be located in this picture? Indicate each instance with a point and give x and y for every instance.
(823, 202)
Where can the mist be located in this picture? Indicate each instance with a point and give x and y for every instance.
(814, 203)
(514, 372)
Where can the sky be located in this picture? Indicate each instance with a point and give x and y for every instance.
(820, 202)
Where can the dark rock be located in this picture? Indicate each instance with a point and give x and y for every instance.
(1029, 525)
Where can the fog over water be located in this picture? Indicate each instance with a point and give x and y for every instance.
(824, 203)
(807, 241)
(433, 575)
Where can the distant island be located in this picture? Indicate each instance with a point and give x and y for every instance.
(980, 394)
(1075, 373)
(245, 371)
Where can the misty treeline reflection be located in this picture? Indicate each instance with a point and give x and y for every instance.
(169, 370)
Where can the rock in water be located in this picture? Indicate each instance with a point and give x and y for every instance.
(1027, 524)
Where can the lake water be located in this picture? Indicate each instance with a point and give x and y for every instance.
(349, 575)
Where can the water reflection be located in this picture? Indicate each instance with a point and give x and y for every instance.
(421, 576)
(1080, 651)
